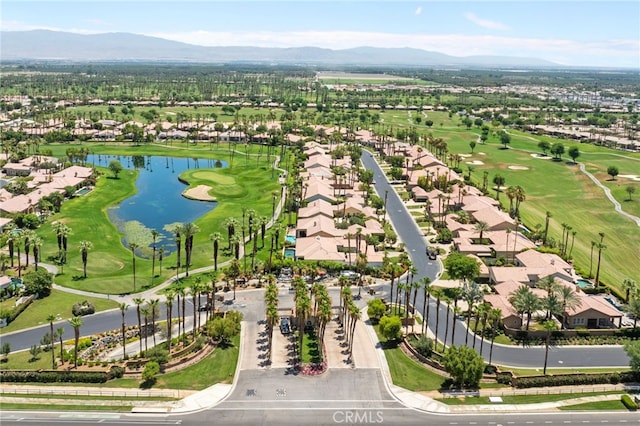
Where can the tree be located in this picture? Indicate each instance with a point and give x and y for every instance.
(189, 230)
(35, 351)
(60, 333)
(38, 282)
(151, 369)
(391, 327)
(138, 302)
(215, 240)
(600, 247)
(494, 317)
(116, 167)
(557, 149)
(613, 172)
(471, 293)
(376, 309)
(5, 350)
(123, 310)
(481, 227)
(472, 145)
(133, 247)
(154, 307)
(498, 181)
(629, 286)
(632, 348)
(51, 318)
(154, 238)
(461, 267)
(544, 147)
(574, 153)
(505, 138)
(630, 190)
(85, 246)
(464, 365)
(76, 323)
(525, 301)
(549, 326)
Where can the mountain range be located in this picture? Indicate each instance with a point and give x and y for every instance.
(108, 47)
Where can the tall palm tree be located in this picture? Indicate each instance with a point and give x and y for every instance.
(426, 289)
(85, 246)
(76, 322)
(629, 285)
(154, 236)
(123, 310)
(138, 302)
(189, 230)
(600, 247)
(170, 294)
(546, 227)
(36, 245)
(481, 319)
(177, 234)
(569, 300)
(59, 333)
(133, 247)
(549, 326)
(231, 224)
(456, 294)
(471, 294)
(525, 301)
(494, 317)
(154, 305)
(593, 244)
(145, 311)
(435, 338)
(215, 240)
(51, 318)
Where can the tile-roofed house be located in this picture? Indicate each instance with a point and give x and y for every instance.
(317, 225)
(317, 207)
(496, 219)
(353, 206)
(594, 312)
(318, 248)
(498, 274)
(510, 317)
(319, 190)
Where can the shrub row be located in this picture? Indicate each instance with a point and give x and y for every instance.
(572, 379)
(629, 402)
(34, 376)
(13, 314)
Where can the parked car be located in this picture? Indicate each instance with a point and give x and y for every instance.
(204, 307)
(432, 253)
(285, 326)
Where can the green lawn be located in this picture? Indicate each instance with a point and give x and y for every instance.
(522, 399)
(49, 407)
(616, 404)
(58, 303)
(311, 351)
(250, 183)
(560, 188)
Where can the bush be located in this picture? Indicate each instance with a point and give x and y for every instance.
(115, 372)
(150, 370)
(376, 309)
(52, 376)
(13, 314)
(158, 355)
(83, 308)
(575, 379)
(464, 365)
(424, 346)
(629, 402)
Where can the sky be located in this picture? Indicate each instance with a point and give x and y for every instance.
(575, 33)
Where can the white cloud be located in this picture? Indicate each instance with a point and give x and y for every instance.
(484, 23)
(418, 11)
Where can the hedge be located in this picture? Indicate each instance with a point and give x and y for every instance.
(575, 379)
(629, 402)
(48, 376)
(19, 309)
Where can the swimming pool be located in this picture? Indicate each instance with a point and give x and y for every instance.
(290, 239)
(289, 253)
(584, 283)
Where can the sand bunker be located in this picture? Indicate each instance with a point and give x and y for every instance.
(464, 155)
(518, 167)
(632, 177)
(482, 153)
(540, 156)
(475, 163)
(200, 192)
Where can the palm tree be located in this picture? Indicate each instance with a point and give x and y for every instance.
(426, 289)
(495, 316)
(471, 294)
(525, 301)
(546, 227)
(549, 326)
(139, 301)
(215, 239)
(51, 318)
(59, 333)
(145, 311)
(85, 246)
(456, 293)
(481, 318)
(36, 244)
(481, 227)
(123, 311)
(177, 233)
(231, 224)
(498, 181)
(154, 304)
(154, 235)
(189, 230)
(600, 247)
(133, 247)
(629, 286)
(76, 323)
(569, 300)
(435, 338)
(170, 294)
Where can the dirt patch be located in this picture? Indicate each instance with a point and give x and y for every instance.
(200, 192)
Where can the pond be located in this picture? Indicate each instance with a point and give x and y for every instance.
(158, 203)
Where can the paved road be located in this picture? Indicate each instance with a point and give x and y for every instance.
(514, 356)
